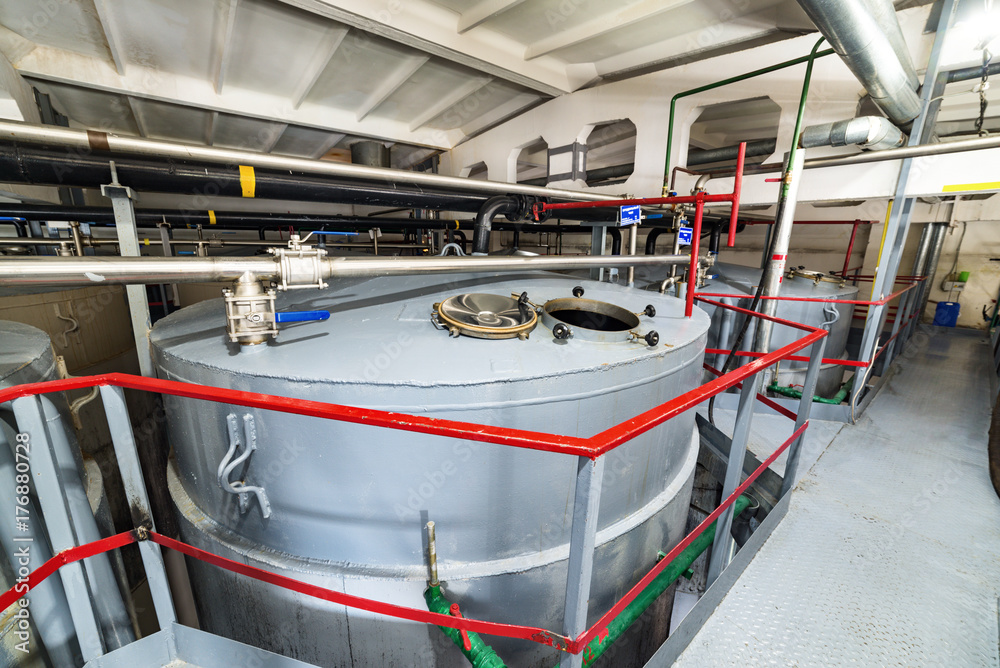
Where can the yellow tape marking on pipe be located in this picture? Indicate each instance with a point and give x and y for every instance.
(146, 241)
(211, 216)
(960, 187)
(247, 180)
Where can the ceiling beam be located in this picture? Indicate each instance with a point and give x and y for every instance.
(139, 123)
(428, 27)
(498, 115)
(74, 69)
(106, 18)
(483, 11)
(269, 145)
(449, 101)
(390, 84)
(600, 25)
(223, 40)
(210, 123)
(332, 140)
(318, 64)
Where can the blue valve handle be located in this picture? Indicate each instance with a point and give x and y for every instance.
(338, 234)
(301, 316)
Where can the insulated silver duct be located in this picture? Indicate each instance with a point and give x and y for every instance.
(885, 15)
(874, 133)
(852, 29)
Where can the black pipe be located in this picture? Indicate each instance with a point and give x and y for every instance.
(616, 240)
(967, 73)
(46, 167)
(651, 238)
(594, 176)
(494, 206)
(713, 242)
(707, 156)
(463, 240)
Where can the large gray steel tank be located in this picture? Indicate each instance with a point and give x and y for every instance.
(742, 282)
(348, 503)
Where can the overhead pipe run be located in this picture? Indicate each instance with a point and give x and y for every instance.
(867, 49)
(874, 133)
(288, 270)
(902, 153)
(85, 142)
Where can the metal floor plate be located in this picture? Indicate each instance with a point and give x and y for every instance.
(889, 554)
(183, 647)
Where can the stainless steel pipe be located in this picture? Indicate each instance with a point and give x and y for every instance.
(88, 141)
(74, 271)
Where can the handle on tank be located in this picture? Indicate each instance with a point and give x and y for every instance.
(301, 316)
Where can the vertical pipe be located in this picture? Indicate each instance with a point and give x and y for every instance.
(782, 232)
(586, 501)
(632, 241)
(850, 249)
(737, 189)
(805, 407)
(699, 209)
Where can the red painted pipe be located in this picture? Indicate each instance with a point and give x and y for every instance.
(850, 248)
(737, 188)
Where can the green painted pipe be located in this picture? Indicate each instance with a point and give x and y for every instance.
(480, 654)
(620, 624)
(725, 82)
(836, 399)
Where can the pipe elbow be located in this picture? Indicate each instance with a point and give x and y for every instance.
(494, 206)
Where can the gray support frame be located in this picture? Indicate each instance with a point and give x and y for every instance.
(805, 408)
(128, 241)
(135, 491)
(598, 247)
(49, 487)
(723, 543)
(586, 501)
(898, 222)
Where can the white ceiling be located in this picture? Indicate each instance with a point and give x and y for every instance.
(300, 77)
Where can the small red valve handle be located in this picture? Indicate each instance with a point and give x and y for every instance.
(777, 180)
(455, 612)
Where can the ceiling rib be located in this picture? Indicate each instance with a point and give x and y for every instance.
(484, 11)
(430, 28)
(327, 144)
(223, 42)
(139, 123)
(319, 64)
(391, 84)
(68, 68)
(601, 25)
(449, 101)
(498, 115)
(106, 19)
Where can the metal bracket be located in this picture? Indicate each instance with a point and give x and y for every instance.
(232, 460)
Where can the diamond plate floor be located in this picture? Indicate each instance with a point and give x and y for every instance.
(889, 554)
